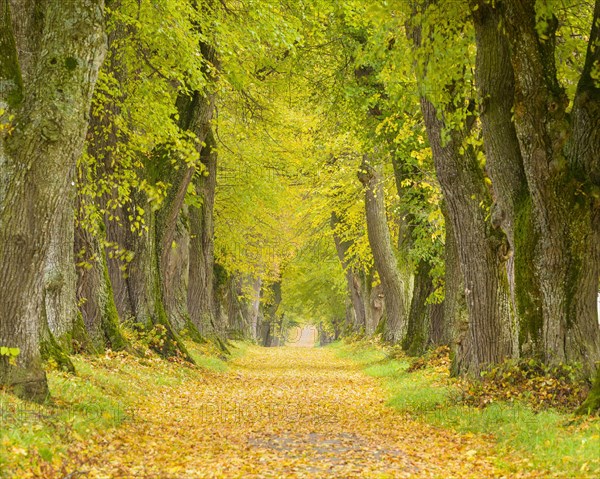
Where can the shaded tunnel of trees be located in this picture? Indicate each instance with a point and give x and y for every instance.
(423, 171)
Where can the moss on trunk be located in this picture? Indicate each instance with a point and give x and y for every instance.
(417, 337)
(592, 403)
(192, 332)
(110, 317)
(53, 352)
(527, 292)
(166, 341)
(82, 340)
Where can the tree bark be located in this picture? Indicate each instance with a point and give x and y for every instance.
(511, 210)
(50, 101)
(177, 274)
(492, 329)
(492, 334)
(417, 337)
(239, 309)
(376, 317)
(255, 319)
(358, 290)
(394, 288)
(271, 334)
(438, 325)
(201, 294)
(455, 306)
(59, 274)
(99, 316)
(560, 159)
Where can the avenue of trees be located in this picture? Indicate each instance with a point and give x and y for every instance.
(427, 171)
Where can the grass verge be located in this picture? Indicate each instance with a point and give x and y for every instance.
(560, 444)
(102, 395)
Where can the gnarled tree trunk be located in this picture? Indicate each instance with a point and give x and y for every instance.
(49, 62)
(512, 208)
(560, 159)
(491, 336)
(492, 332)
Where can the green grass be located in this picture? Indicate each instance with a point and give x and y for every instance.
(207, 356)
(561, 444)
(102, 395)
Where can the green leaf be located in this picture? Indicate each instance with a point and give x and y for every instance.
(10, 352)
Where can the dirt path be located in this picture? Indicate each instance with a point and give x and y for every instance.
(281, 413)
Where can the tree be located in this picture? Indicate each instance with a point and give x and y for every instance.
(201, 295)
(45, 104)
(557, 144)
(357, 282)
(396, 310)
(491, 329)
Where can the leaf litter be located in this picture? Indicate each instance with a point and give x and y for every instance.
(276, 413)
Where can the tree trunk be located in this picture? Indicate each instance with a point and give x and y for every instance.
(376, 317)
(492, 330)
(99, 316)
(417, 337)
(438, 327)
(119, 237)
(492, 333)
(59, 275)
(560, 159)
(394, 289)
(176, 274)
(201, 294)
(272, 320)
(50, 99)
(355, 281)
(255, 308)
(512, 207)
(239, 310)
(455, 306)
(59, 310)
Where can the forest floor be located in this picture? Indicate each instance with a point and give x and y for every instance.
(269, 413)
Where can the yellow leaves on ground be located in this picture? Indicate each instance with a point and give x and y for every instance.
(276, 413)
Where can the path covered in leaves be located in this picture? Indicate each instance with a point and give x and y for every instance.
(280, 413)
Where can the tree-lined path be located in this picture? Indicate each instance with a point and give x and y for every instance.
(181, 179)
(281, 412)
